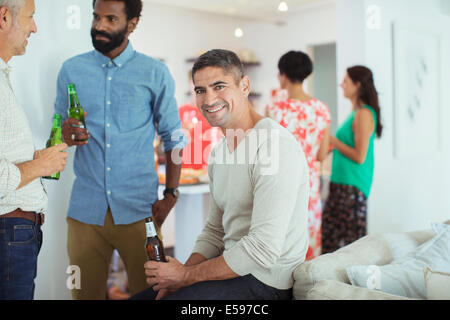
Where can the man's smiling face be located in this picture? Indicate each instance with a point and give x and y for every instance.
(219, 95)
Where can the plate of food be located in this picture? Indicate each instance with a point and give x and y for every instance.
(188, 176)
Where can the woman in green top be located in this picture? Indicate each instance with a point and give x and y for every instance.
(345, 212)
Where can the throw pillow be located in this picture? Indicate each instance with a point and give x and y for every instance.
(405, 276)
(437, 285)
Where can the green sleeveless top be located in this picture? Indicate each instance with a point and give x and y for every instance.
(346, 171)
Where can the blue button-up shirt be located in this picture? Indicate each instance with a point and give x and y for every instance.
(125, 99)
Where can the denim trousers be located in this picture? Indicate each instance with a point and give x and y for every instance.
(240, 288)
(20, 243)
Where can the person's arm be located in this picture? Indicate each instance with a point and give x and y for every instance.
(168, 126)
(173, 275)
(9, 177)
(161, 208)
(324, 145)
(363, 126)
(194, 259)
(45, 163)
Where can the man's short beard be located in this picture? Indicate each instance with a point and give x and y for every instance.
(115, 40)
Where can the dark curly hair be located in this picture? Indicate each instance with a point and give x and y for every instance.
(133, 8)
(296, 65)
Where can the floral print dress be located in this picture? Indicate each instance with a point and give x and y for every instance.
(307, 121)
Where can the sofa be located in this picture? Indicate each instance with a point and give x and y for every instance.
(326, 277)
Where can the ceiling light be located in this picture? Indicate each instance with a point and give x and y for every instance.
(283, 7)
(238, 33)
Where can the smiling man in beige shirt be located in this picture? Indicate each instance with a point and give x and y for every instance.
(22, 197)
(256, 231)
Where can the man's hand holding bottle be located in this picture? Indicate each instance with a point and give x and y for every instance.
(51, 160)
(73, 133)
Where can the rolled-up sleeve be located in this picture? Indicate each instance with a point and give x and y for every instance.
(166, 114)
(277, 179)
(9, 177)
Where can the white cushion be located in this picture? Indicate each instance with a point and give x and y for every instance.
(336, 290)
(404, 277)
(437, 285)
(403, 243)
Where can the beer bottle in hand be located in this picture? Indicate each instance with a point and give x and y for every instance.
(55, 139)
(75, 110)
(153, 245)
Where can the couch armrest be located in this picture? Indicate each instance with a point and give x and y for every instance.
(336, 290)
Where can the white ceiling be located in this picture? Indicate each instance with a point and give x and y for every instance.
(255, 9)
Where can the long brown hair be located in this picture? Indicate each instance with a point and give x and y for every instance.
(367, 92)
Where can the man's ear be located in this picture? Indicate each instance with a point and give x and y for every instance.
(5, 17)
(244, 85)
(132, 24)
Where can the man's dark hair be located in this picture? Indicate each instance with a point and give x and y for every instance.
(225, 59)
(296, 65)
(133, 8)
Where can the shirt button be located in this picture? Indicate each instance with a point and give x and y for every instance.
(108, 192)
(108, 146)
(108, 102)
(108, 125)
(109, 78)
(103, 65)
(108, 169)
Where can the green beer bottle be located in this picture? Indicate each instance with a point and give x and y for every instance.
(75, 110)
(55, 139)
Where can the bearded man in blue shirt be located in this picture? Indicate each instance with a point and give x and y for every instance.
(127, 97)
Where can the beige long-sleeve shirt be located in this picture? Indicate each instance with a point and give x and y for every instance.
(259, 204)
(16, 146)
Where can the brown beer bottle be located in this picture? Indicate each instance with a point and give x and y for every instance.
(153, 245)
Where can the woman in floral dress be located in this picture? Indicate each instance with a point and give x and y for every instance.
(308, 119)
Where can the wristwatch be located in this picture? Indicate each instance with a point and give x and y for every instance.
(173, 191)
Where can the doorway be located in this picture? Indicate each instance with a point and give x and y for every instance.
(323, 82)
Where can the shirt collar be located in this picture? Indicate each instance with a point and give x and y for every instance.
(120, 60)
(4, 66)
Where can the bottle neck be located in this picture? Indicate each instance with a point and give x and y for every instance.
(150, 228)
(73, 100)
(55, 134)
(56, 123)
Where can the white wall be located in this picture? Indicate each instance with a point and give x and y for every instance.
(350, 44)
(407, 194)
